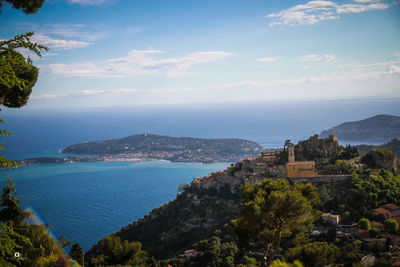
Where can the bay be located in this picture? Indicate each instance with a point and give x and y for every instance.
(87, 201)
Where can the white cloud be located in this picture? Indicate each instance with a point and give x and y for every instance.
(376, 79)
(90, 93)
(87, 93)
(122, 91)
(358, 8)
(316, 11)
(92, 2)
(137, 62)
(43, 97)
(267, 59)
(58, 44)
(318, 58)
(70, 30)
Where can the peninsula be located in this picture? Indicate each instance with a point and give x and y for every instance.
(159, 147)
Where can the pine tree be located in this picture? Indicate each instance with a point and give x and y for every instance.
(76, 253)
(10, 209)
(271, 210)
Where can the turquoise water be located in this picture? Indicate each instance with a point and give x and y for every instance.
(87, 201)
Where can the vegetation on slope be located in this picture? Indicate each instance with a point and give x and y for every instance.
(193, 216)
(393, 145)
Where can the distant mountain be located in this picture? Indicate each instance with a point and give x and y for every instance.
(380, 128)
(178, 149)
(393, 145)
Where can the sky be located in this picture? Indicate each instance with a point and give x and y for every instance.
(168, 52)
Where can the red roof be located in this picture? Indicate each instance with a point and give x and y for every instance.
(390, 207)
(381, 210)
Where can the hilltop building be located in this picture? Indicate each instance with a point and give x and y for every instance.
(298, 169)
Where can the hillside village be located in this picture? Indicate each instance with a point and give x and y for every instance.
(268, 165)
(350, 218)
(265, 165)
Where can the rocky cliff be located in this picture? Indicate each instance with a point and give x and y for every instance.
(315, 148)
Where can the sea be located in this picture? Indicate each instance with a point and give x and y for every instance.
(87, 201)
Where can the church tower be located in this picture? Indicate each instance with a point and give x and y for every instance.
(291, 152)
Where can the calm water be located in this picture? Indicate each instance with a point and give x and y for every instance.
(87, 201)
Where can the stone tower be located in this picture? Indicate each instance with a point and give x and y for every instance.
(291, 152)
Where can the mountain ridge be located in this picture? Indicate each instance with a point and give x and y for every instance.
(377, 129)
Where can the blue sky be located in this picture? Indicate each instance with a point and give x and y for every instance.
(155, 52)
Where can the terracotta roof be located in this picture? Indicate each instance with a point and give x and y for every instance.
(390, 207)
(381, 210)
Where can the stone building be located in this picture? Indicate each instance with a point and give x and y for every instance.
(298, 169)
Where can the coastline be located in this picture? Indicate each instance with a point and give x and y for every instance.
(109, 158)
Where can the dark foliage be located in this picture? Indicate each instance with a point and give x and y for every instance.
(27, 6)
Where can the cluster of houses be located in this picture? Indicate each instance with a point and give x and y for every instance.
(255, 169)
(389, 243)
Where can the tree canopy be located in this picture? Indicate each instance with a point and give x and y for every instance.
(314, 254)
(27, 6)
(17, 77)
(115, 251)
(17, 74)
(273, 209)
